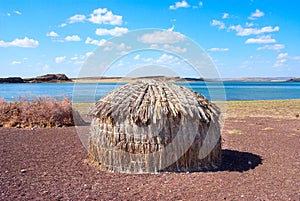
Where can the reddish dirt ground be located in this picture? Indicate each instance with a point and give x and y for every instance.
(261, 161)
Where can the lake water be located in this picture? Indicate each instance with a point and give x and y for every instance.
(233, 90)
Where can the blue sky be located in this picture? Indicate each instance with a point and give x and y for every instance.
(248, 38)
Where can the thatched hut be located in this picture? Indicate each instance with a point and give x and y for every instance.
(150, 126)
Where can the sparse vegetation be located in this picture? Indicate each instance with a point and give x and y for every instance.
(37, 112)
(279, 109)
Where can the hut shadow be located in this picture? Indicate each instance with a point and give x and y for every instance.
(236, 161)
(232, 161)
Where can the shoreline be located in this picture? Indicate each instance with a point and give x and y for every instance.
(62, 78)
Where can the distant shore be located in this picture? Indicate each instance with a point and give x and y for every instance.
(62, 78)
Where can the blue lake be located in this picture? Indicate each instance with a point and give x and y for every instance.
(214, 91)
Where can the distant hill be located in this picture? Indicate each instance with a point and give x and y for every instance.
(252, 79)
(294, 80)
(49, 78)
(11, 80)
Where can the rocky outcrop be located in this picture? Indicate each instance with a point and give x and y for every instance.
(294, 80)
(11, 80)
(49, 78)
(193, 79)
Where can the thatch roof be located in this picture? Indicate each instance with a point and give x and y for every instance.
(146, 116)
(147, 101)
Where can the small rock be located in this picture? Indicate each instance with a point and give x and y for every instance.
(249, 162)
(297, 115)
(18, 126)
(33, 128)
(128, 188)
(45, 192)
(23, 170)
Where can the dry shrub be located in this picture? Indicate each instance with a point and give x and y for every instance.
(36, 112)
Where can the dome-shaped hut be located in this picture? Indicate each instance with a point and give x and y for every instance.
(151, 126)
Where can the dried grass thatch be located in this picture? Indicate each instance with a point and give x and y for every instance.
(151, 126)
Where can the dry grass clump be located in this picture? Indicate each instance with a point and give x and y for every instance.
(39, 112)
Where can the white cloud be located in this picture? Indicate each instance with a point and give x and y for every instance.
(117, 31)
(88, 54)
(154, 46)
(225, 16)
(279, 63)
(76, 18)
(25, 42)
(95, 42)
(162, 37)
(60, 59)
(122, 46)
(103, 16)
(200, 4)
(15, 62)
(256, 14)
(249, 24)
(218, 23)
(276, 47)
(286, 56)
(282, 58)
(176, 49)
(52, 34)
(172, 28)
(73, 38)
(282, 55)
(74, 58)
(98, 16)
(217, 49)
(17, 12)
(78, 62)
(137, 57)
(63, 25)
(261, 40)
(8, 14)
(253, 31)
(165, 58)
(179, 4)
